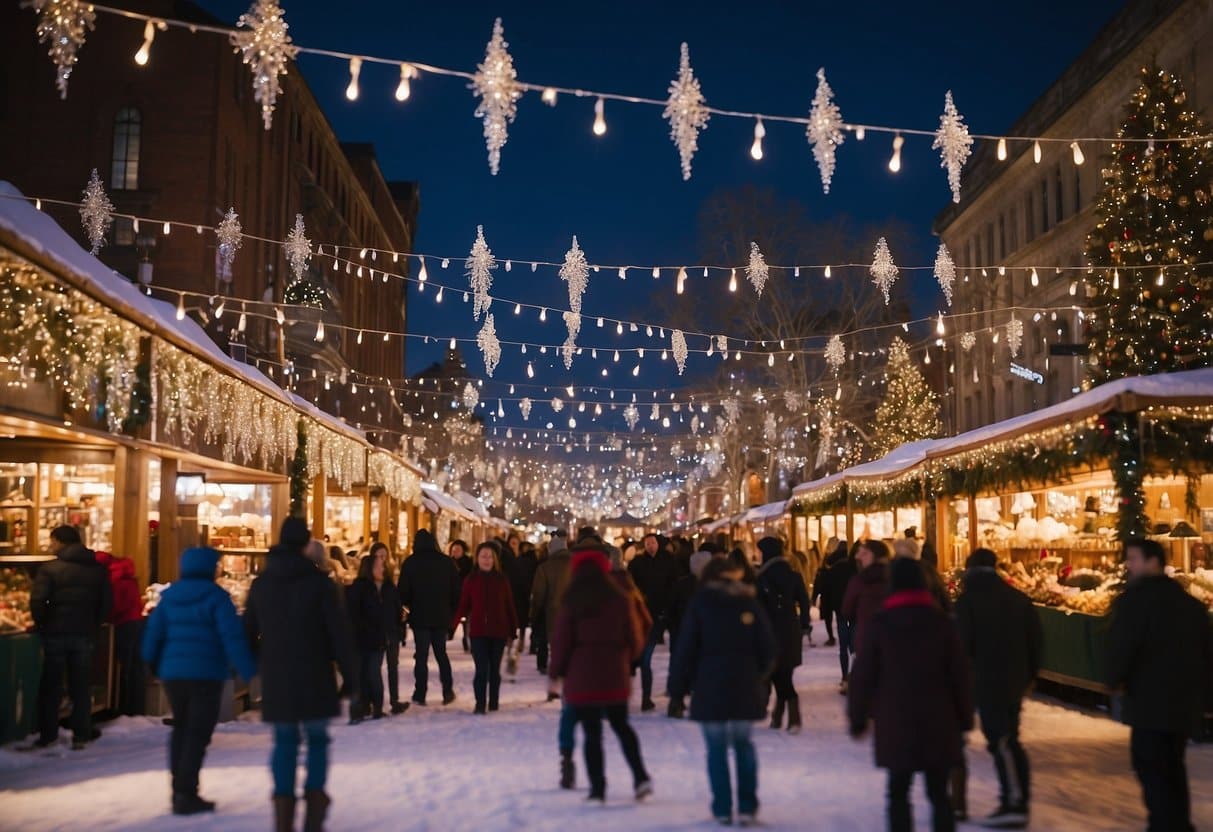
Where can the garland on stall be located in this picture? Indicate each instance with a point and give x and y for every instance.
(298, 472)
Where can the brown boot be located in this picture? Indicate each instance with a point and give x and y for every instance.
(284, 813)
(316, 805)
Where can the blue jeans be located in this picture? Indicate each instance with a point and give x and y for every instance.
(718, 736)
(568, 723)
(284, 760)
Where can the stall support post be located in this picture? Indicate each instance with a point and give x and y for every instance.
(319, 491)
(387, 525)
(850, 521)
(280, 507)
(130, 534)
(943, 543)
(972, 523)
(366, 515)
(167, 538)
(896, 525)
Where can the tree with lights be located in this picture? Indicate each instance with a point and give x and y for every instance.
(1155, 227)
(910, 410)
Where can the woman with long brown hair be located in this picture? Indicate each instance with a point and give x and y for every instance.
(488, 602)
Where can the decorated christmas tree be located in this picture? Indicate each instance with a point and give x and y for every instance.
(1153, 309)
(910, 410)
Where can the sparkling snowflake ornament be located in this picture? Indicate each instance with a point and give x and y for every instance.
(678, 345)
(945, 271)
(883, 270)
(631, 415)
(686, 111)
(825, 129)
(967, 341)
(732, 410)
(63, 25)
(676, 450)
(471, 396)
(265, 44)
(757, 271)
(836, 353)
(496, 85)
(525, 407)
(575, 272)
(770, 429)
(230, 237)
(490, 347)
(1014, 335)
(480, 265)
(298, 248)
(96, 212)
(953, 141)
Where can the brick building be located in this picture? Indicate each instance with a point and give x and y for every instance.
(1020, 213)
(182, 139)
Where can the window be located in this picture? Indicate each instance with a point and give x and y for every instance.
(124, 170)
(1002, 237)
(1059, 211)
(1077, 189)
(1029, 206)
(1044, 206)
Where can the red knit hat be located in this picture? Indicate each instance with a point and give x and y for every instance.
(590, 555)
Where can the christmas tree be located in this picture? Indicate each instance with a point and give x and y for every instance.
(910, 410)
(1151, 248)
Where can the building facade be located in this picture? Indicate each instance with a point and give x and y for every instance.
(1020, 213)
(182, 139)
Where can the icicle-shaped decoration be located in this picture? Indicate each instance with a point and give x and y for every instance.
(496, 85)
(575, 272)
(490, 347)
(471, 396)
(480, 265)
(945, 271)
(955, 144)
(63, 25)
(298, 248)
(265, 44)
(883, 270)
(230, 237)
(1014, 335)
(695, 424)
(631, 415)
(967, 341)
(757, 271)
(557, 404)
(655, 412)
(96, 212)
(824, 130)
(525, 407)
(686, 111)
(567, 350)
(836, 353)
(678, 345)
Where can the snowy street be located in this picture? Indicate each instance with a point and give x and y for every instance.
(440, 768)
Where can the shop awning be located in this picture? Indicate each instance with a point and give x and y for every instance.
(444, 502)
(770, 511)
(472, 504)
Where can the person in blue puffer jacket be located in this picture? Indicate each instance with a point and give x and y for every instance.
(193, 640)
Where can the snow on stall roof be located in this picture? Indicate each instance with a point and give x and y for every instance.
(765, 512)
(471, 503)
(446, 502)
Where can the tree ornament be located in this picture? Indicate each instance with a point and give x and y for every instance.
(96, 212)
(953, 140)
(496, 84)
(732, 410)
(575, 272)
(480, 265)
(298, 248)
(770, 428)
(967, 341)
(230, 236)
(945, 271)
(63, 25)
(1014, 335)
(631, 415)
(883, 270)
(825, 129)
(265, 45)
(793, 400)
(836, 353)
(525, 407)
(686, 111)
(678, 345)
(567, 350)
(757, 270)
(490, 347)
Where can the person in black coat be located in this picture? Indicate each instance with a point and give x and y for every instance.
(429, 590)
(820, 597)
(364, 603)
(680, 601)
(842, 568)
(295, 623)
(522, 579)
(722, 658)
(393, 630)
(70, 600)
(782, 594)
(1160, 656)
(458, 550)
(652, 571)
(1002, 636)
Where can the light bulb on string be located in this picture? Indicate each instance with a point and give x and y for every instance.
(386, 336)
(1115, 278)
(619, 328)
(1078, 157)
(1036, 151)
(733, 280)
(1073, 288)
(680, 287)
(939, 325)
(219, 311)
(756, 148)
(351, 91)
(636, 370)
(168, 228)
(278, 314)
(1161, 278)
(1002, 150)
(145, 51)
(530, 370)
(403, 90)
(319, 331)
(1035, 277)
(549, 96)
(422, 274)
(623, 273)
(656, 272)
(599, 117)
(359, 338)
(543, 313)
(180, 306)
(242, 323)
(895, 162)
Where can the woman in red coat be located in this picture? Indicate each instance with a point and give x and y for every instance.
(488, 602)
(595, 641)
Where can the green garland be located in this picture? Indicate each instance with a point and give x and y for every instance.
(299, 481)
(141, 399)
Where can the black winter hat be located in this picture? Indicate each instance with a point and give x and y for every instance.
(906, 573)
(586, 532)
(771, 548)
(294, 532)
(424, 541)
(982, 558)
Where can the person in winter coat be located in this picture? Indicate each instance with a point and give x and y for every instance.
(295, 622)
(522, 581)
(680, 601)
(912, 678)
(842, 568)
(594, 642)
(393, 629)
(193, 640)
(70, 600)
(1160, 656)
(126, 617)
(550, 580)
(653, 572)
(487, 599)
(1002, 636)
(782, 594)
(907, 547)
(867, 590)
(458, 551)
(429, 590)
(724, 654)
(820, 597)
(364, 604)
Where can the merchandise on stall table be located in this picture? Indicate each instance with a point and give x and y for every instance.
(15, 616)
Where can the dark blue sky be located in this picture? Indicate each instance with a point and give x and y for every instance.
(623, 195)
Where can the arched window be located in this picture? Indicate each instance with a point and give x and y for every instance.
(124, 172)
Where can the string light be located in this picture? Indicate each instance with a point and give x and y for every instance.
(145, 51)
(1036, 151)
(167, 228)
(403, 90)
(895, 162)
(180, 307)
(1035, 277)
(682, 279)
(422, 274)
(351, 91)
(733, 280)
(278, 314)
(1078, 157)
(549, 96)
(319, 331)
(756, 148)
(1002, 150)
(600, 126)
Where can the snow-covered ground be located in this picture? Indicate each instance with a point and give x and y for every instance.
(444, 769)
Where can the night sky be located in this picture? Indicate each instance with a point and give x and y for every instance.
(622, 194)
